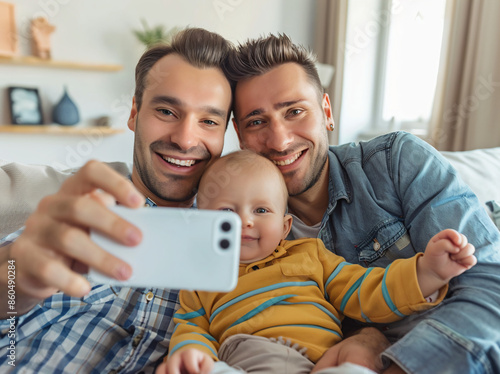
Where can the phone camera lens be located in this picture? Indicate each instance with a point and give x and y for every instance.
(226, 226)
(224, 244)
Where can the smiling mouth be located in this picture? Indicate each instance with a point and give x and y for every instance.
(288, 161)
(247, 238)
(177, 162)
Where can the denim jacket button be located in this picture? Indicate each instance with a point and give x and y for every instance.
(376, 245)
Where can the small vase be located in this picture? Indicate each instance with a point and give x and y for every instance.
(66, 112)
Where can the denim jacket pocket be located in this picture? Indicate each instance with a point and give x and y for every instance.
(386, 242)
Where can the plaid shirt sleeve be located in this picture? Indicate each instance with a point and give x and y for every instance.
(112, 329)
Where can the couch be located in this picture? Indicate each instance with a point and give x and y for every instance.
(30, 183)
(480, 169)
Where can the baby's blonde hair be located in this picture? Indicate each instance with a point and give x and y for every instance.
(237, 164)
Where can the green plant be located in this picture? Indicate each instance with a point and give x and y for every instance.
(155, 35)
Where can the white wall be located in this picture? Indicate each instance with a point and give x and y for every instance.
(100, 31)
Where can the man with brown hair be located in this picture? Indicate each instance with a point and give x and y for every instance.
(371, 203)
(62, 323)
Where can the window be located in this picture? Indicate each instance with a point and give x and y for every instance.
(408, 60)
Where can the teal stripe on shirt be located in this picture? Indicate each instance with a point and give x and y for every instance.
(208, 337)
(337, 270)
(387, 297)
(184, 323)
(306, 326)
(319, 306)
(349, 293)
(186, 342)
(198, 313)
(269, 303)
(190, 324)
(258, 291)
(359, 297)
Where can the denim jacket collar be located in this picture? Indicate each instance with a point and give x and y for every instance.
(338, 185)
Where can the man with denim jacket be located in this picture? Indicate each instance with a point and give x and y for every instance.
(371, 203)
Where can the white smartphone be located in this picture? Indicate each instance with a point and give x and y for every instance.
(180, 249)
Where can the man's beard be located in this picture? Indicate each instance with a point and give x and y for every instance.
(318, 165)
(159, 189)
(151, 182)
(312, 180)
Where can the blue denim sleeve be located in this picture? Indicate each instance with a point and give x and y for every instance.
(462, 335)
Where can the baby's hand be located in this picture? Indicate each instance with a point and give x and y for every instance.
(189, 361)
(448, 254)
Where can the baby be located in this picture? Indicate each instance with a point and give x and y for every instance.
(291, 297)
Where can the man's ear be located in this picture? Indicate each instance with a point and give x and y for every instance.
(287, 225)
(235, 125)
(133, 116)
(327, 110)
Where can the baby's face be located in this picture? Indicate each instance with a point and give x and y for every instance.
(258, 199)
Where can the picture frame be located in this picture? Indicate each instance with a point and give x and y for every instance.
(25, 106)
(8, 34)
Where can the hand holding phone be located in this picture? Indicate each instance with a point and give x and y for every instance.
(181, 249)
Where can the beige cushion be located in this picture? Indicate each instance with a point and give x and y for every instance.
(480, 169)
(22, 187)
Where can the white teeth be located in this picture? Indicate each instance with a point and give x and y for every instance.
(179, 162)
(289, 161)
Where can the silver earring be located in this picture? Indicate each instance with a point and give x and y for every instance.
(331, 126)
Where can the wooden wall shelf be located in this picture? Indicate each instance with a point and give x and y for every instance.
(59, 130)
(38, 62)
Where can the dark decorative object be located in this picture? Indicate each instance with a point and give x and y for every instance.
(25, 107)
(103, 121)
(66, 112)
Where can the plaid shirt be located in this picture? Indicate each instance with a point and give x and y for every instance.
(111, 330)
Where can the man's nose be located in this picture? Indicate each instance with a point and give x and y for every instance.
(185, 134)
(278, 137)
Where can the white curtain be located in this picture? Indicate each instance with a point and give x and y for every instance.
(330, 36)
(466, 112)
